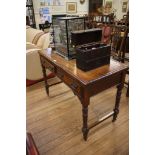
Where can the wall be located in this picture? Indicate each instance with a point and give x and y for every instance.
(81, 8)
(54, 10)
(117, 4)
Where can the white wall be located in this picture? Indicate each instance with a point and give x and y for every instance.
(81, 9)
(117, 4)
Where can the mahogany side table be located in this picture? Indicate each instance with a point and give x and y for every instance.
(85, 84)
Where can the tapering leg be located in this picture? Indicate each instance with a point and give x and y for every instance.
(117, 102)
(85, 129)
(45, 80)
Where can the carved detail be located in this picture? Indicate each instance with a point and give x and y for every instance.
(85, 129)
(118, 97)
(85, 90)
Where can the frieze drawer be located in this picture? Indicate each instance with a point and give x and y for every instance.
(69, 81)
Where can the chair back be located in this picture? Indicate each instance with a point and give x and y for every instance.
(117, 37)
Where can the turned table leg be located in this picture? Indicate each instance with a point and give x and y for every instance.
(45, 80)
(85, 129)
(117, 102)
(85, 103)
(118, 97)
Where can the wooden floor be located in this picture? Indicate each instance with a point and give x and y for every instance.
(55, 122)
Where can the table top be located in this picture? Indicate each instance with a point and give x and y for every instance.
(88, 77)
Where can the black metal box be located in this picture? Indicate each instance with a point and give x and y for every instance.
(93, 55)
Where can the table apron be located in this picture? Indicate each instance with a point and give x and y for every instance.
(105, 83)
(77, 87)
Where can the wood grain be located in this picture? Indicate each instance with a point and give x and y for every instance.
(84, 77)
(55, 122)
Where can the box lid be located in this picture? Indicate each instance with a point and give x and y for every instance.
(86, 36)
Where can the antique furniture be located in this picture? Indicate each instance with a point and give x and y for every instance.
(45, 27)
(36, 40)
(124, 20)
(92, 55)
(85, 36)
(118, 37)
(120, 46)
(108, 19)
(90, 22)
(62, 28)
(30, 17)
(37, 37)
(33, 35)
(54, 17)
(89, 51)
(31, 148)
(85, 84)
(126, 38)
(94, 5)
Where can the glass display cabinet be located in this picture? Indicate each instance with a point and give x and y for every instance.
(30, 16)
(62, 28)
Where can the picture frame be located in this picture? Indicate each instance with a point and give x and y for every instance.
(109, 3)
(124, 6)
(71, 7)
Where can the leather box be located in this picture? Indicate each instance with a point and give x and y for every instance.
(93, 55)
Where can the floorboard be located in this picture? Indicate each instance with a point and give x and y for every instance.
(55, 122)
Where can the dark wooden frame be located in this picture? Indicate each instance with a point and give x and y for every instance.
(84, 90)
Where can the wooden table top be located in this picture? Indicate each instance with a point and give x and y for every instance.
(88, 77)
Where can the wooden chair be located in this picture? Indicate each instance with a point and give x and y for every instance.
(118, 41)
(120, 46)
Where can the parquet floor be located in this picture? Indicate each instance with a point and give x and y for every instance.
(55, 122)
